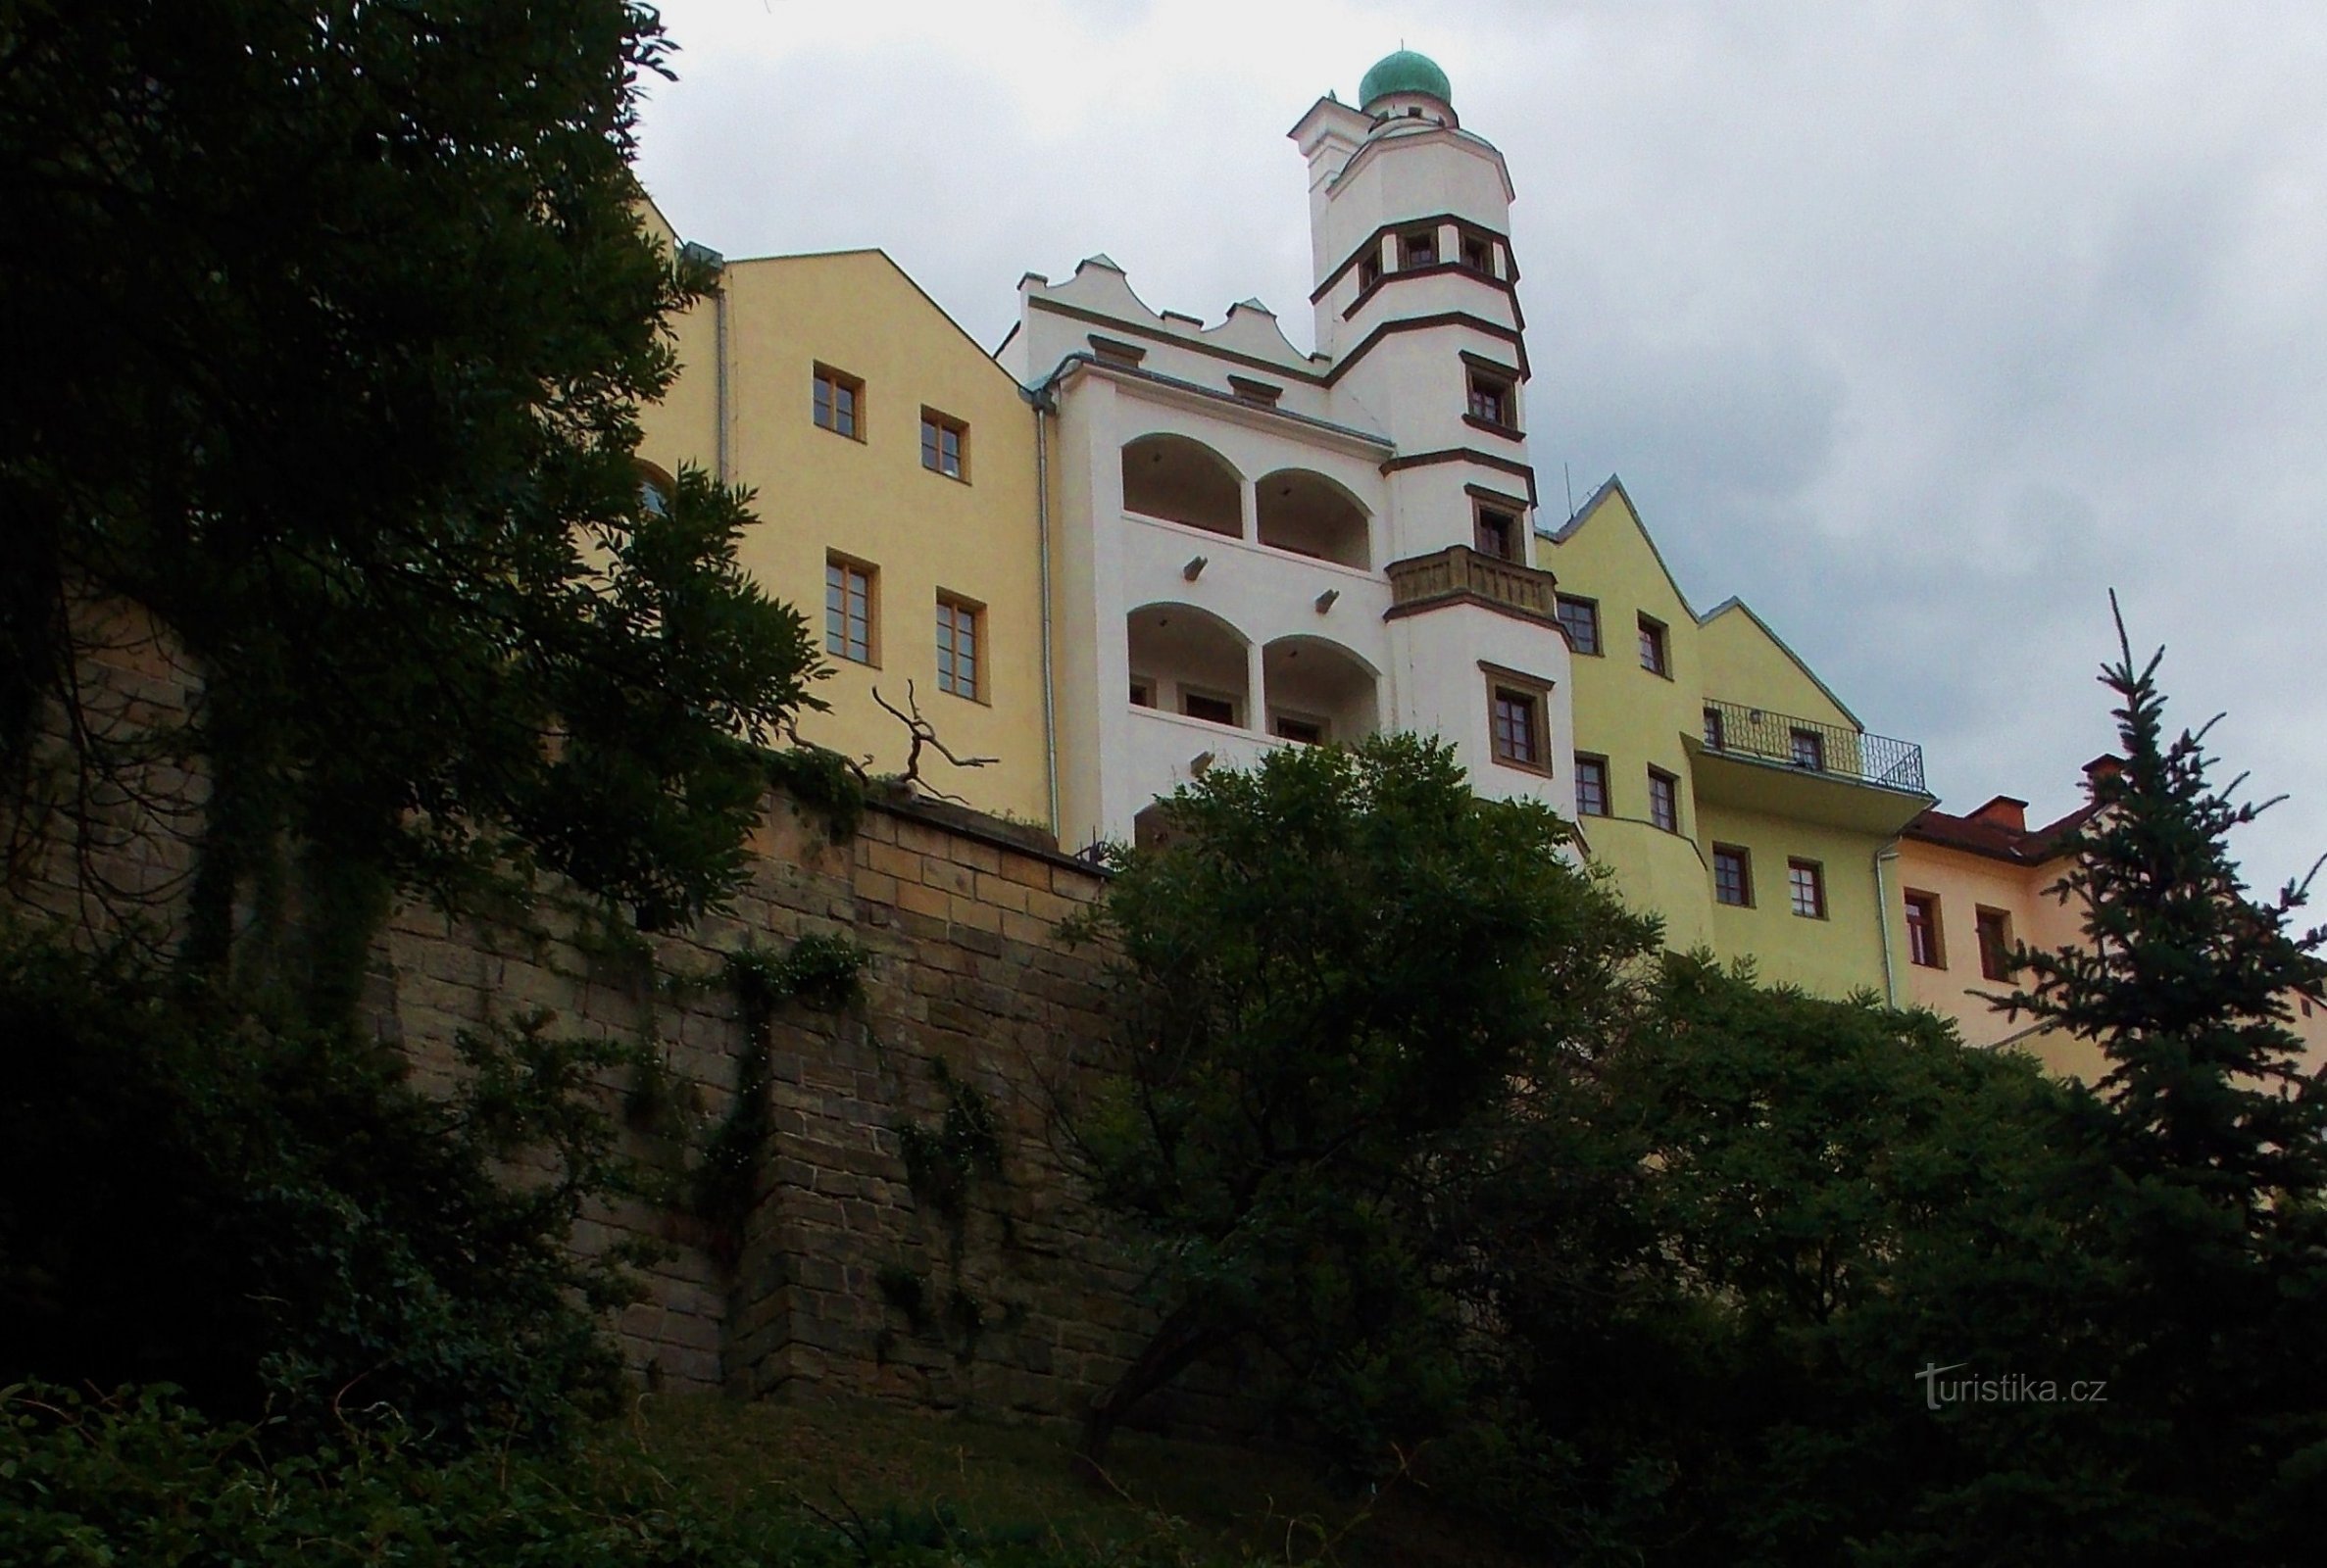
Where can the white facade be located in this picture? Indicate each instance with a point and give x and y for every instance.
(1252, 546)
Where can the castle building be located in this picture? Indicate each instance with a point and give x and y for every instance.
(1180, 546)
(1723, 782)
(893, 462)
(1255, 546)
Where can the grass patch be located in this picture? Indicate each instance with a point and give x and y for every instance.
(1164, 1501)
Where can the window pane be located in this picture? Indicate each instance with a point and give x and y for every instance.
(929, 444)
(1806, 889)
(1730, 882)
(1651, 646)
(844, 410)
(1922, 932)
(1810, 750)
(1581, 618)
(1591, 787)
(1663, 801)
(823, 402)
(948, 446)
(1514, 726)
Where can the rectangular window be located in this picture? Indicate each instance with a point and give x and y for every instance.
(1652, 651)
(849, 610)
(1305, 731)
(1806, 888)
(1810, 750)
(1496, 533)
(945, 444)
(1417, 248)
(1491, 399)
(1212, 709)
(1922, 931)
(1591, 786)
(1994, 929)
(1516, 716)
(1581, 618)
(1369, 270)
(1716, 734)
(1664, 800)
(1143, 692)
(1478, 253)
(839, 403)
(1733, 876)
(958, 647)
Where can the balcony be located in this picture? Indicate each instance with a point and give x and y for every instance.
(1460, 574)
(1762, 761)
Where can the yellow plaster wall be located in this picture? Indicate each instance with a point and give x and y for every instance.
(1658, 872)
(1636, 719)
(1745, 665)
(1833, 956)
(1633, 717)
(873, 501)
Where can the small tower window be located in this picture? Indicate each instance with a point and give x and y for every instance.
(1417, 248)
(1496, 533)
(1492, 400)
(1478, 253)
(1369, 270)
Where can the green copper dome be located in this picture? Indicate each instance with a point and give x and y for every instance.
(1405, 72)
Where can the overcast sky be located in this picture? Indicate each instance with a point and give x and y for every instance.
(1916, 327)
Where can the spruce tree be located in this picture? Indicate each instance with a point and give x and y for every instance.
(2185, 981)
(2208, 1145)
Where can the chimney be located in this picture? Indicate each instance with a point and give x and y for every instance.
(2005, 812)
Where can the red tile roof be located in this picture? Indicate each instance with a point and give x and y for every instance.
(2018, 846)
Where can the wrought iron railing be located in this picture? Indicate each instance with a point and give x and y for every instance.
(1460, 572)
(1733, 730)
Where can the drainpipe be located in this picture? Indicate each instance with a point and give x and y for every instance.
(1046, 404)
(705, 256)
(718, 332)
(1882, 919)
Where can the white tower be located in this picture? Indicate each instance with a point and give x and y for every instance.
(1417, 306)
(1409, 219)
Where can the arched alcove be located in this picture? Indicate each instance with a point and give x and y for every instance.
(1306, 512)
(1182, 480)
(1188, 661)
(1316, 689)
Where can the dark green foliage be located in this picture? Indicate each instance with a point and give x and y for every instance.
(942, 1162)
(820, 971)
(725, 1184)
(145, 1482)
(1338, 968)
(822, 780)
(2210, 1139)
(264, 1212)
(1721, 1261)
(907, 1292)
(328, 324)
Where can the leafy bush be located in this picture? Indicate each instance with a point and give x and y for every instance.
(270, 1217)
(141, 1481)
